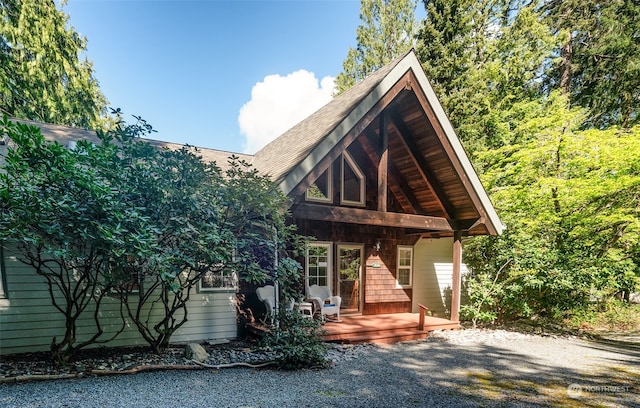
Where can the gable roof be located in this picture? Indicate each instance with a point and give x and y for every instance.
(443, 178)
(309, 139)
(400, 89)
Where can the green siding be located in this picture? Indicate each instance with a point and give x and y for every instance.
(432, 275)
(28, 321)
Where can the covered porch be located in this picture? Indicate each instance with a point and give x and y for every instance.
(384, 328)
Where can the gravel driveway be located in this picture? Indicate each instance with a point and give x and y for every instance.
(451, 369)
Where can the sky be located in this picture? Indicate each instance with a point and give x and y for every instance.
(226, 75)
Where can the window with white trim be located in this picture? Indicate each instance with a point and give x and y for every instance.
(3, 284)
(318, 264)
(219, 279)
(405, 266)
(321, 190)
(353, 182)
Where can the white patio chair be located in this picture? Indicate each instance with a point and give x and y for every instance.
(324, 302)
(267, 295)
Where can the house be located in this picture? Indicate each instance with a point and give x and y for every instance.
(377, 176)
(380, 179)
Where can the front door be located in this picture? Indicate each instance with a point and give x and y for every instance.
(350, 277)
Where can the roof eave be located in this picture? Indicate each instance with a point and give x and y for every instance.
(493, 223)
(291, 179)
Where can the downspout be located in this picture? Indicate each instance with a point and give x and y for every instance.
(276, 287)
(456, 283)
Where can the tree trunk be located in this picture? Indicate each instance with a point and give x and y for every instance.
(566, 70)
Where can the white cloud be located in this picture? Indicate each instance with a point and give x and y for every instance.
(278, 103)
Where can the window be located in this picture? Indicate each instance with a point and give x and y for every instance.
(405, 266)
(127, 282)
(126, 279)
(318, 265)
(321, 189)
(222, 279)
(353, 182)
(3, 285)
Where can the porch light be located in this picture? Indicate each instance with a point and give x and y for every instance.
(377, 246)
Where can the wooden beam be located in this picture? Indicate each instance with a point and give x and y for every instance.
(369, 217)
(397, 183)
(383, 165)
(422, 166)
(456, 283)
(430, 116)
(465, 225)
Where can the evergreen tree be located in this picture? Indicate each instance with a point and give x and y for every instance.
(481, 58)
(445, 43)
(387, 31)
(42, 75)
(599, 58)
(450, 54)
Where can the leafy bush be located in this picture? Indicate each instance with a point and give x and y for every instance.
(482, 306)
(126, 219)
(297, 341)
(611, 315)
(569, 198)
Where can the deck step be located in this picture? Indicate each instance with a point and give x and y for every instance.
(383, 328)
(402, 332)
(390, 336)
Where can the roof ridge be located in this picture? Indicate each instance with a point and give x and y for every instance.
(282, 154)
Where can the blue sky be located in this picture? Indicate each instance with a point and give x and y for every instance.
(189, 67)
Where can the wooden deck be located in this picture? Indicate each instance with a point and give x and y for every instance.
(386, 328)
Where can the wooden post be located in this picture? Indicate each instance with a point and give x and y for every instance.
(423, 311)
(456, 279)
(383, 165)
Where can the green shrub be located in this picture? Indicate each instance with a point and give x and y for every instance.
(297, 342)
(611, 315)
(482, 305)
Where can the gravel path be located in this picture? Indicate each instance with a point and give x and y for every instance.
(466, 368)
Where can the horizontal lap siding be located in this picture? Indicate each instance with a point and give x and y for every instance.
(432, 275)
(211, 316)
(28, 320)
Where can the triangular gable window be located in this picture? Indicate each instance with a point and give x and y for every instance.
(321, 189)
(353, 182)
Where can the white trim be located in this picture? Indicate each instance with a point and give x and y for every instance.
(398, 266)
(363, 182)
(329, 263)
(329, 199)
(233, 277)
(3, 277)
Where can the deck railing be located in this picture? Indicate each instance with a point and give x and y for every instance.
(423, 311)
